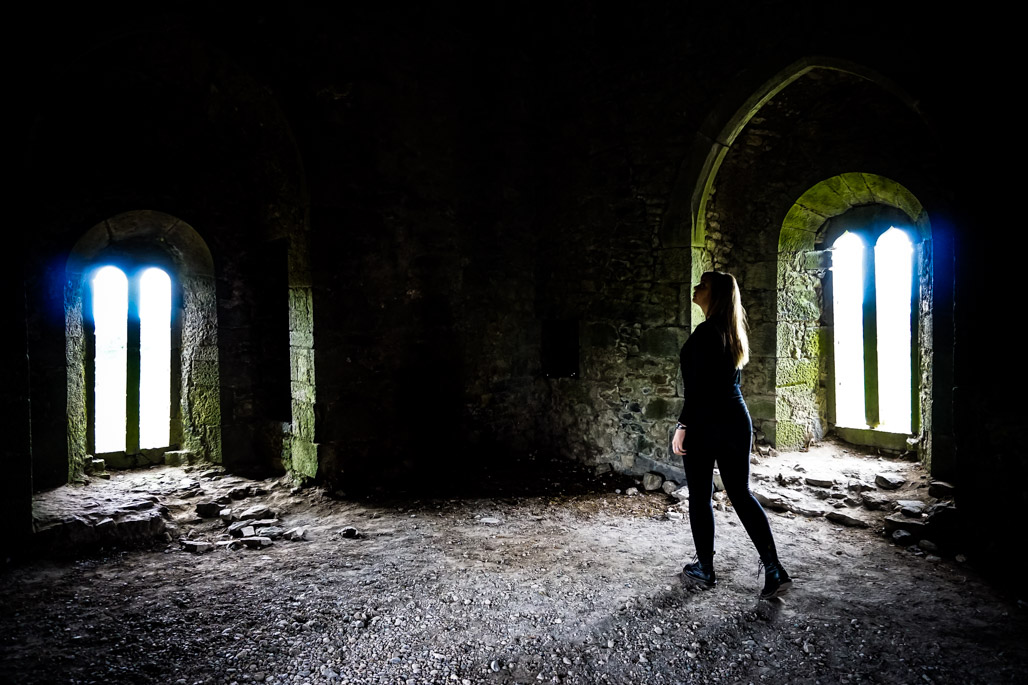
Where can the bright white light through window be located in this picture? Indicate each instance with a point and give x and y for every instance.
(848, 300)
(892, 283)
(110, 316)
(155, 357)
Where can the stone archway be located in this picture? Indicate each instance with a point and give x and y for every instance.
(146, 235)
(804, 400)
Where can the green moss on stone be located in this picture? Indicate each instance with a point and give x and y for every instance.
(812, 343)
(301, 365)
(203, 405)
(799, 302)
(303, 420)
(860, 193)
(798, 372)
(304, 458)
(803, 218)
(790, 435)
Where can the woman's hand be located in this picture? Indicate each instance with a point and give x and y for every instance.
(678, 442)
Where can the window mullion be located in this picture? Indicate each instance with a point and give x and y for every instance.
(132, 379)
(870, 312)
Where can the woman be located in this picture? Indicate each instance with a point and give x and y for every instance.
(715, 425)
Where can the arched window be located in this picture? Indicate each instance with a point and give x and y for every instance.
(131, 393)
(142, 349)
(872, 291)
(858, 319)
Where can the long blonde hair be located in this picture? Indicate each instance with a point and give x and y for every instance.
(725, 311)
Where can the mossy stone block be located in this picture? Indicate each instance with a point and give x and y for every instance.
(799, 302)
(202, 372)
(797, 372)
(303, 420)
(204, 406)
(828, 198)
(817, 259)
(301, 364)
(701, 264)
(304, 392)
(803, 218)
(860, 193)
(789, 435)
(304, 457)
(795, 240)
(301, 309)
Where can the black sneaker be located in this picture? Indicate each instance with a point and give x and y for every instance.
(776, 581)
(701, 572)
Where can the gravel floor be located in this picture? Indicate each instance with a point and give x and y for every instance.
(570, 586)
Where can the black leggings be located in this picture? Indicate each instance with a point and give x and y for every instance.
(726, 439)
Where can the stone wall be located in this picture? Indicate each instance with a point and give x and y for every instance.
(443, 187)
(801, 135)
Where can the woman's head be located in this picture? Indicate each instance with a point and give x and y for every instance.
(717, 294)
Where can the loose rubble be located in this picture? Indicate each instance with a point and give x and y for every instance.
(577, 588)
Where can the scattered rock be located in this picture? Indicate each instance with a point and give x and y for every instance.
(669, 487)
(256, 542)
(350, 532)
(196, 546)
(910, 507)
(674, 515)
(928, 546)
(652, 481)
(632, 491)
(179, 457)
(942, 490)
(894, 523)
(681, 494)
(491, 520)
(819, 481)
(782, 500)
(857, 485)
(273, 532)
(874, 501)
(889, 481)
(235, 529)
(298, 533)
(791, 479)
(260, 511)
(226, 515)
(847, 519)
(902, 538)
(241, 492)
(208, 509)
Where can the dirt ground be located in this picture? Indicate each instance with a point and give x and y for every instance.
(572, 580)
